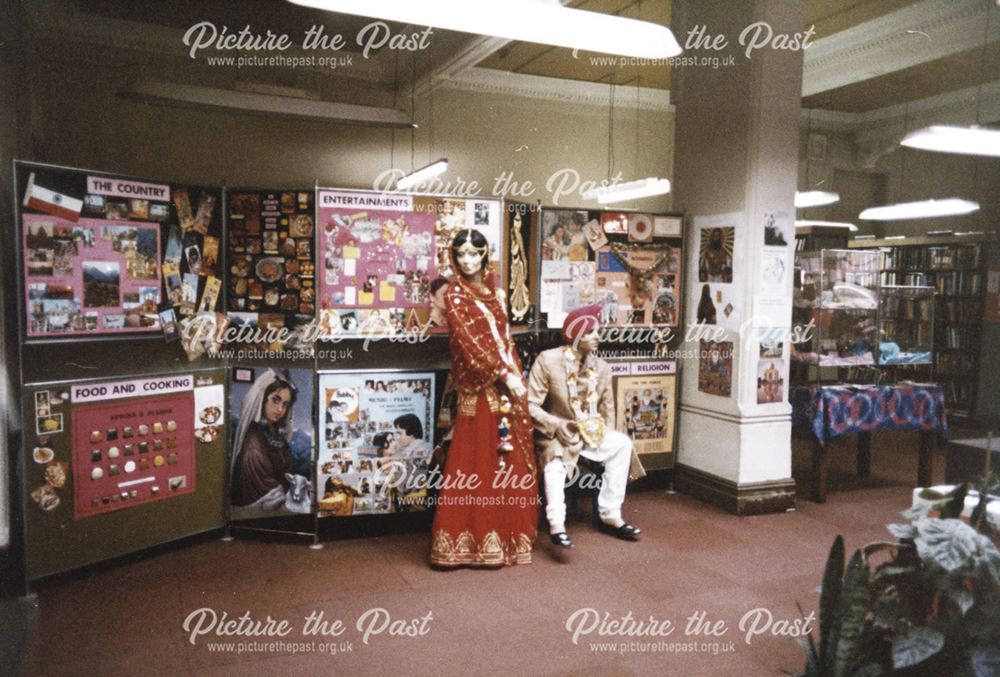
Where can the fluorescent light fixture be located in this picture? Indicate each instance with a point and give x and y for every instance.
(947, 139)
(864, 237)
(939, 233)
(193, 96)
(805, 223)
(951, 206)
(418, 176)
(543, 21)
(628, 191)
(895, 237)
(814, 198)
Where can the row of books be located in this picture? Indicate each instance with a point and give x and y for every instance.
(945, 257)
(906, 309)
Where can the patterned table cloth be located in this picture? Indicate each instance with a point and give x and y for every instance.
(831, 411)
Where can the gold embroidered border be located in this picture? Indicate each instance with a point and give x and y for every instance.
(464, 551)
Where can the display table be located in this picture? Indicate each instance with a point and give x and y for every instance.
(832, 411)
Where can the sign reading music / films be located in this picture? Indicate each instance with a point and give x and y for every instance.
(375, 441)
(381, 253)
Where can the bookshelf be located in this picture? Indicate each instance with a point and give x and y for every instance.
(955, 269)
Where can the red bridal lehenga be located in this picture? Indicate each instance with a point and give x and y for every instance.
(495, 523)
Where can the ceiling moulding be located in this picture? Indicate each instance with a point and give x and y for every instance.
(478, 49)
(61, 23)
(538, 87)
(184, 95)
(916, 34)
(957, 107)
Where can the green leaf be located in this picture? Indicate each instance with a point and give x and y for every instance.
(948, 543)
(902, 531)
(870, 670)
(953, 509)
(986, 661)
(916, 647)
(855, 603)
(829, 602)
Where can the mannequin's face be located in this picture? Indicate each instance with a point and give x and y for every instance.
(276, 405)
(470, 261)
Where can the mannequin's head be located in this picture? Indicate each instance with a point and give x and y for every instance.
(470, 252)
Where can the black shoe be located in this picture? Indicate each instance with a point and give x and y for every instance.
(625, 532)
(562, 539)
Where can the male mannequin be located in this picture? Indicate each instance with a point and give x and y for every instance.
(573, 409)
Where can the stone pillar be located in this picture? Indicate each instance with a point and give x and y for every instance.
(736, 157)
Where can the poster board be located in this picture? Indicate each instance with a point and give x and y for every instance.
(102, 254)
(520, 278)
(629, 262)
(646, 409)
(271, 279)
(92, 492)
(380, 253)
(272, 462)
(375, 434)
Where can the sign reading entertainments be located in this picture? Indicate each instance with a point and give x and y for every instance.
(338, 199)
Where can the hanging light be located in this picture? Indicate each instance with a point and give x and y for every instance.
(923, 209)
(814, 198)
(418, 176)
(628, 191)
(806, 223)
(947, 139)
(543, 21)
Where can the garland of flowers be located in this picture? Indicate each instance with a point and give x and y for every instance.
(591, 422)
(616, 250)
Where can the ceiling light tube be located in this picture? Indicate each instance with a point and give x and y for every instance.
(814, 198)
(806, 223)
(924, 209)
(418, 176)
(628, 191)
(947, 139)
(543, 21)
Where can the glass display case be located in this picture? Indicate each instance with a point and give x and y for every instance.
(836, 295)
(906, 324)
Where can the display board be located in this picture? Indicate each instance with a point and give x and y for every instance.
(100, 253)
(646, 409)
(628, 262)
(115, 466)
(381, 253)
(272, 262)
(375, 441)
(272, 460)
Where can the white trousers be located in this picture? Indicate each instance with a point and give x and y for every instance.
(615, 453)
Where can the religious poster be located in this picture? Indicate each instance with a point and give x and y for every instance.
(382, 252)
(644, 408)
(100, 253)
(618, 259)
(715, 367)
(270, 257)
(779, 229)
(272, 459)
(716, 294)
(376, 430)
(770, 381)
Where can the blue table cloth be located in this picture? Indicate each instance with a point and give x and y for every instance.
(831, 411)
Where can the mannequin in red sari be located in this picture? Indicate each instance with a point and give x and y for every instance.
(487, 509)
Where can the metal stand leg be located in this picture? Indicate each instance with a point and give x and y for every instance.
(821, 466)
(864, 454)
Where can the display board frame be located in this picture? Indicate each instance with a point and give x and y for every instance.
(214, 226)
(56, 539)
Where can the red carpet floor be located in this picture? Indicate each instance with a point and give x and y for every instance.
(693, 560)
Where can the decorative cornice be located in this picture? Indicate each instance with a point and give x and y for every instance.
(921, 32)
(488, 81)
